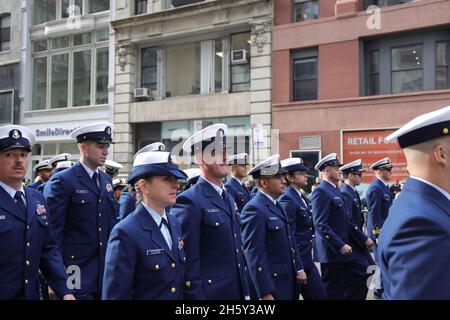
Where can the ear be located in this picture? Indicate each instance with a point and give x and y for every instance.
(441, 154)
(142, 184)
(198, 157)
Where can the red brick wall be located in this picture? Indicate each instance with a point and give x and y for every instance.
(339, 70)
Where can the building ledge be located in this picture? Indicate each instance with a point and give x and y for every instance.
(362, 101)
(192, 107)
(182, 12)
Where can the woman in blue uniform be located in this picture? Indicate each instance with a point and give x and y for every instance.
(145, 257)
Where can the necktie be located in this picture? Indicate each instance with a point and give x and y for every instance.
(224, 196)
(246, 190)
(166, 232)
(20, 203)
(95, 179)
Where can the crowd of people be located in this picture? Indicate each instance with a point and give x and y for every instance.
(79, 232)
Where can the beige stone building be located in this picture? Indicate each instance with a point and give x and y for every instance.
(182, 65)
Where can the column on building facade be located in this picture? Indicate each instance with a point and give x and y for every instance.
(261, 87)
(124, 85)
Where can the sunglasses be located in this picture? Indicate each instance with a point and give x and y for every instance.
(359, 174)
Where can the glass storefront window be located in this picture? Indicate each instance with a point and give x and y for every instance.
(102, 76)
(82, 78)
(39, 83)
(60, 80)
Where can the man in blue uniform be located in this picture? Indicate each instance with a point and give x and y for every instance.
(43, 171)
(298, 209)
(112, 168)
(352, 173)
(414, 245)
(379, 200)
(215, 267)
(26, 242)
(127, 201)
(145, 257)
(336, 235)
(81, 202)
(193, 174)
(269, 245)
(53, 162)
(235, 185)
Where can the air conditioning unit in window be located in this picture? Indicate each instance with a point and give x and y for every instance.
(142, 93)
(239, 56)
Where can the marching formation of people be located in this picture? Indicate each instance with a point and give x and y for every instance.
(79, 232)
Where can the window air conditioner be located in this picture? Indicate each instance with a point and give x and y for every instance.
(142, 93)
(239, 56)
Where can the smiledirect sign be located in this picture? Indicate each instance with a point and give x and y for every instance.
(369, 145)
(53, 132)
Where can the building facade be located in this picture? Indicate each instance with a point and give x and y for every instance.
(10, 44)
(182, 65)
(348, 72)
(67, 70)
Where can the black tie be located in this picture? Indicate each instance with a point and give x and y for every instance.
(95, 179)
(20, 203)
(164, 221)
(224, 196)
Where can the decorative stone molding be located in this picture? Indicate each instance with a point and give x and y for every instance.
(260, 32)
(122, 54)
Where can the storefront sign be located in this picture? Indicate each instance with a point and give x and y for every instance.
(369, 145)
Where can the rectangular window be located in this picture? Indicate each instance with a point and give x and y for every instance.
(43, 11)
(60, 81)
(374, 72)
(82, 78)
(102, 35)
(149, 68)
(40, 46)
(384, 3)
(305, 75)
(442, 61)
(240, 71)
(102, 76)
(5, 32)
(183, 70)
(218, 62)
(306, 10)
(98, 5)
(81, 39)
(71, 8)
(406, 69)
(39, 83)
(60, 43)
(140, 6)
(6, 107)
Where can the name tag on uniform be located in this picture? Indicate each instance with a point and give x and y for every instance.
(337, 198)
(154, 251)
(81, 191)
(2, 217)
(213, 210)
(273, 218)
